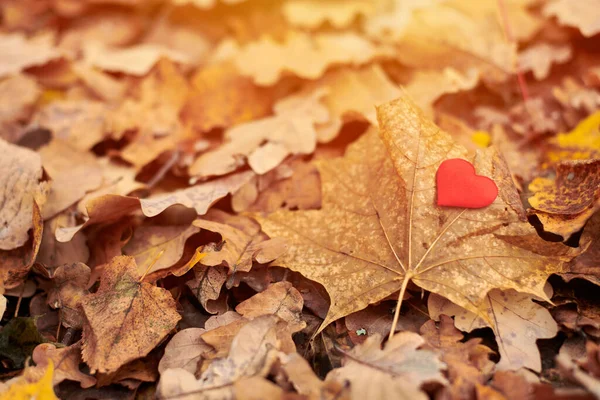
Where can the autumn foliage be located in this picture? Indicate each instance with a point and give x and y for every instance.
(239, 199)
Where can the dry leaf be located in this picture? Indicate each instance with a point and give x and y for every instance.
(385, 187)
(185, 351)
(585, 265)
(266, 142)
(201, 197)
(221, 97)
(18, 95)
(539, 58)
(136, 60)
(125, 318)
(20, 188)
(564, 204)
(151, 241)
(54, 253)
(253, 351)
(73, 172)
(205, 3)
(397, 371)
(280, 299)
(314, 13)
(518, 323)
(300, 54)
(66, 362)
(582, 143)
(468, 363)
(18, 52)
(70, 287)
(581, 14)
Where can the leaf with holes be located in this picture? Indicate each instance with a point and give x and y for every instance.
(379, 226)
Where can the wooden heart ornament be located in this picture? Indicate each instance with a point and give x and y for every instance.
(459, 186)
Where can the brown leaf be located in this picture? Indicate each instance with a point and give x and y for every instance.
(397, 371)
(73, 172)
(70, 288)
(19, 53)
(220, 97)
(585, 266)
(20, 188)
(564, 204)
(185, 351)
(579, 14)
(54, 253)
(266, 142)
(66, 362)
(385, 187)
(18, 94)
(280, 299)
(253, 351)
(468, 363)
(125, 319)
(517, 323)
(540, 57)
(201, 197)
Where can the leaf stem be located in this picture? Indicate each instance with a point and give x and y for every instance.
(399, 304)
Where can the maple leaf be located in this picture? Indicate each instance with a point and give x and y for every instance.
(125, 318)
(379, 227)
(397, 371)
(564, 204)
(517, 323)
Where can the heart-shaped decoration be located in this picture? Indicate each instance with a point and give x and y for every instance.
(459, 186)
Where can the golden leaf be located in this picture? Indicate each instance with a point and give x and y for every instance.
(31, 386)
(379, 227)
(581, 14)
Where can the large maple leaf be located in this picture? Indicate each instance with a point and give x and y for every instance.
(379, 226)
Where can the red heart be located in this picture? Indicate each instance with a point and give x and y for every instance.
(459, 186)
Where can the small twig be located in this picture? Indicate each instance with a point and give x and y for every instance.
(163, 170)
(19, 301)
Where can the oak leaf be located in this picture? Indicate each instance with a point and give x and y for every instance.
(66, 362)
(20, 188)
(564, 204)
(125, 318)
(539, 58)
(397, 371)
(518, 323)
(379, 227)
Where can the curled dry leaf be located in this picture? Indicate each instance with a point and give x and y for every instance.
(111, 207)
(185, 351)
(386, 186)
(125, 318)
(54, 253)
(20, 189)
(518, 324)
(585, 265)
(280, 299)
(151, 241)
(252, 353)
(564, 204)
(266, 142)
(73, 172)
(70, 287)
(302, 54)
(66, 362)
(468, 362)
(579, 14)
(397, 371)
(18, 52)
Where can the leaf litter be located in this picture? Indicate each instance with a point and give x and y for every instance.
(237, 199)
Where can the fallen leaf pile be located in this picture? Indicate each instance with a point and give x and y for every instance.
(237, 199)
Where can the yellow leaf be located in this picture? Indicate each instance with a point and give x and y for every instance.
(583, 142)
(481, 138)
(26, 389)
